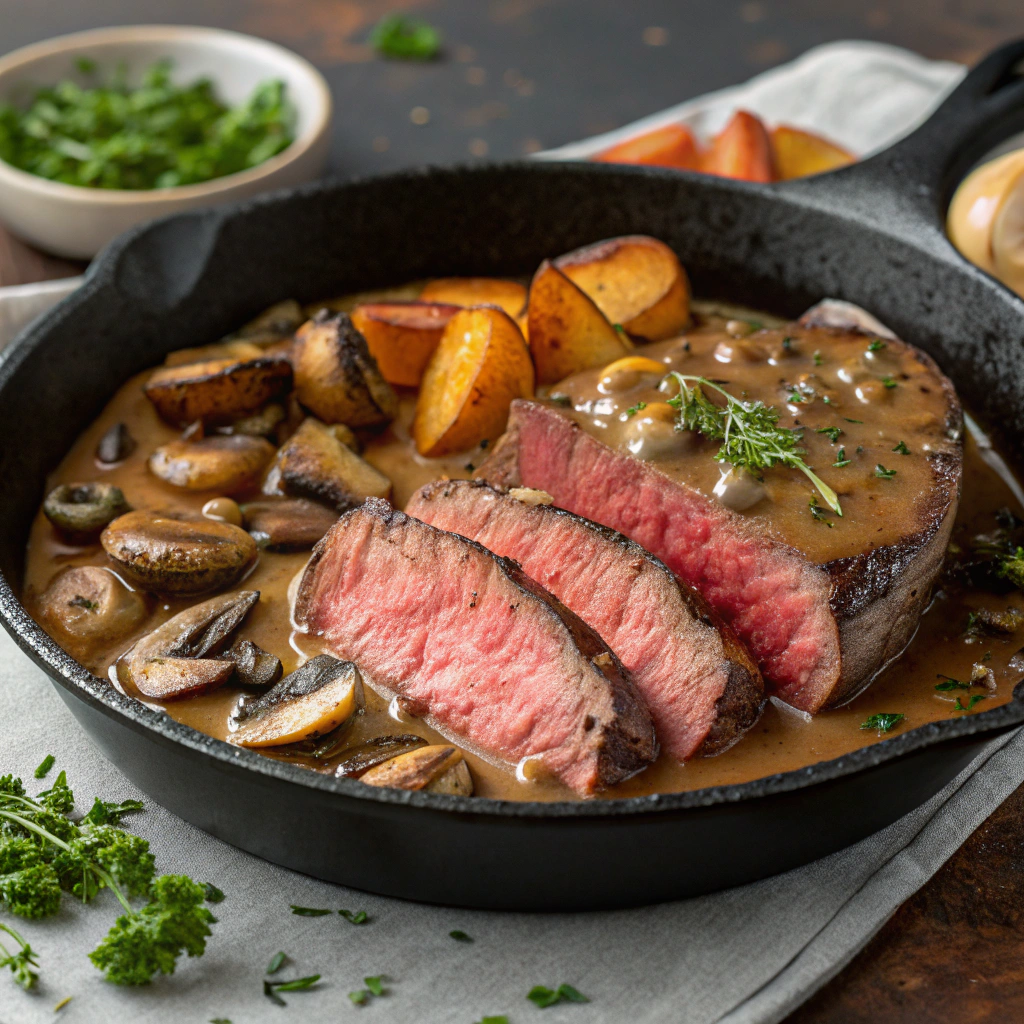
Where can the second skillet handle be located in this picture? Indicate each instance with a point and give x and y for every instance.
(907, 187)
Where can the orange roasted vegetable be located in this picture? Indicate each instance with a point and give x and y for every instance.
(671, 146)
(402, 336)
(741, 150)
(799, 153)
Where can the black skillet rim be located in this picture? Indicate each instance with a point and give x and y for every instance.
(76, 679)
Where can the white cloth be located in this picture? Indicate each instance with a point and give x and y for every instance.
(747, 956)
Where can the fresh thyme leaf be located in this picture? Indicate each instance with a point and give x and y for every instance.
(44, 768)
(295, 984)
(500, 1019)
(634, 409)
(831, 432)
(220, 1020)
(889, 382)
(841, 459)
(818, 359)
(749, 431)
(67, 999)
(460, 936)
(848, 420)
(359, 997)
(972, 700)
(884, 474)
(883, 721)
(276, 963)
(308, 911)
(271, 994)
(796, 398)
(619, 328)
(877, 345)
(902, 448)
(405, 38)
(358, 917)
(212, 893)
(819, 513)
(104, 812)
(949, 683)
(375, 983)
(543, 997)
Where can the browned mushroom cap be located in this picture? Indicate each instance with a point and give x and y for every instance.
(337, 378)
(175, 660)
(437, 769)
(177, 556)
(90, 605)
(313, 463)
(217, 391)
(254, 666)
(358, 760)
(312, 701)
(227, 464)
(80, 511)
(115, 445)
(287, 524)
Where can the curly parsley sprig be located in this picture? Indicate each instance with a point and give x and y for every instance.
(749, 431)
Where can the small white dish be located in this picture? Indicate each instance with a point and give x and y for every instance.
(74, 221)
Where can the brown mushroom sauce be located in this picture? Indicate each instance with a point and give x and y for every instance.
(782, 740)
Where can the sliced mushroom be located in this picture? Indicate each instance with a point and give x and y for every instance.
(115, 445)
(180, 658)
(219, 390)
(90, 605)
(337, 378)
(228, 464)
(360, 759)
(313, 463)
(178, 556)
(287, 524)
(260, 424)
(312, 701)
(81, 511)
(254, 666)
(437, 769)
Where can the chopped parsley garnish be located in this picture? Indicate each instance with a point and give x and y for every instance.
(276, 963)
(749, 431)
(374, 987)
(500, 1019)
(1011, 567)
(543, 997)
(841, 459)
(949, 683)
(107, 135)
(877, 345)
(884, 474)
(796, 398)
(826, 399)
(375, 984)
(405, 38)
(212, 894)
(818, 359)
(902, 448)
(308, 911)
(21, 961)
(45, 766)
(831, 432)
(883, 721)
(971, 701)
(214, 1020)
(105, 812)
(888, 381)
(820, 514)
(619, 328)
(460, 936)
(848, 420)
(787, 344)
(272, 988)
(354, 917)
(634, 409)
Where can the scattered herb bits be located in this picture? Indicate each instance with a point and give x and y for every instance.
(889, 382)
(841, 459)
(832, 433)
(355, 917)
(272, 989)
(374, 988)
(971, 702)
(375, 984)
(21, 960)
(884, 474)
(212, 893)
(405, 38)
(883, 722)
(156, 135)
(460, 936)
(949, 683)
(277, 961)
(902, 448)
(877, 345)
(500, 1019)
(820, 514)
(543, 997)
(1011, 567)
(308, 911)
(634, 409)
(818, 359)
(43, 770)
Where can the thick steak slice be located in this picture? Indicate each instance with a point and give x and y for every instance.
(466, 639)
(701, 685)
(819, 631)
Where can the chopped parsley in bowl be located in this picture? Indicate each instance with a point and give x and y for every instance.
(110, 135)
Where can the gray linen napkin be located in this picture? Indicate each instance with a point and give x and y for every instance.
(747, 956)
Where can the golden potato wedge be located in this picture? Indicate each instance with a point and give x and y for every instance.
(636, 281)
(217, 391)
(402, 336)
(568, 333)
(336, 377)
(477, 291)
(799, 153)
(314, 463)
(480, 366)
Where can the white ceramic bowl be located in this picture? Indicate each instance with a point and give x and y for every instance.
(71, 220)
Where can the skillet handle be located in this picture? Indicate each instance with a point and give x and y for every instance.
(907, 187)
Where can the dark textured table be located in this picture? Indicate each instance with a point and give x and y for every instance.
(520, 75)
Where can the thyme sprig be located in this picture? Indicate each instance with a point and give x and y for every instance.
(749, 431)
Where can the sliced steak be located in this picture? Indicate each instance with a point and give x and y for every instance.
(468, 640)
(820, 630)
(701, 685)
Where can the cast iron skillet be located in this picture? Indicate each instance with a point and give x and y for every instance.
(871, 234)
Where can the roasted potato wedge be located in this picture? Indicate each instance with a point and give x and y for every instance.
(741, 150)
(798, 153)
(177, 556)
(217, 391)
(402, 336)
(480, 366)
(313, 701)
(477, 291)
(670, 146)
(228, 464)
(313, 463)
(337, 378)
(437, 769)
(568, 333)
(636, 281)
